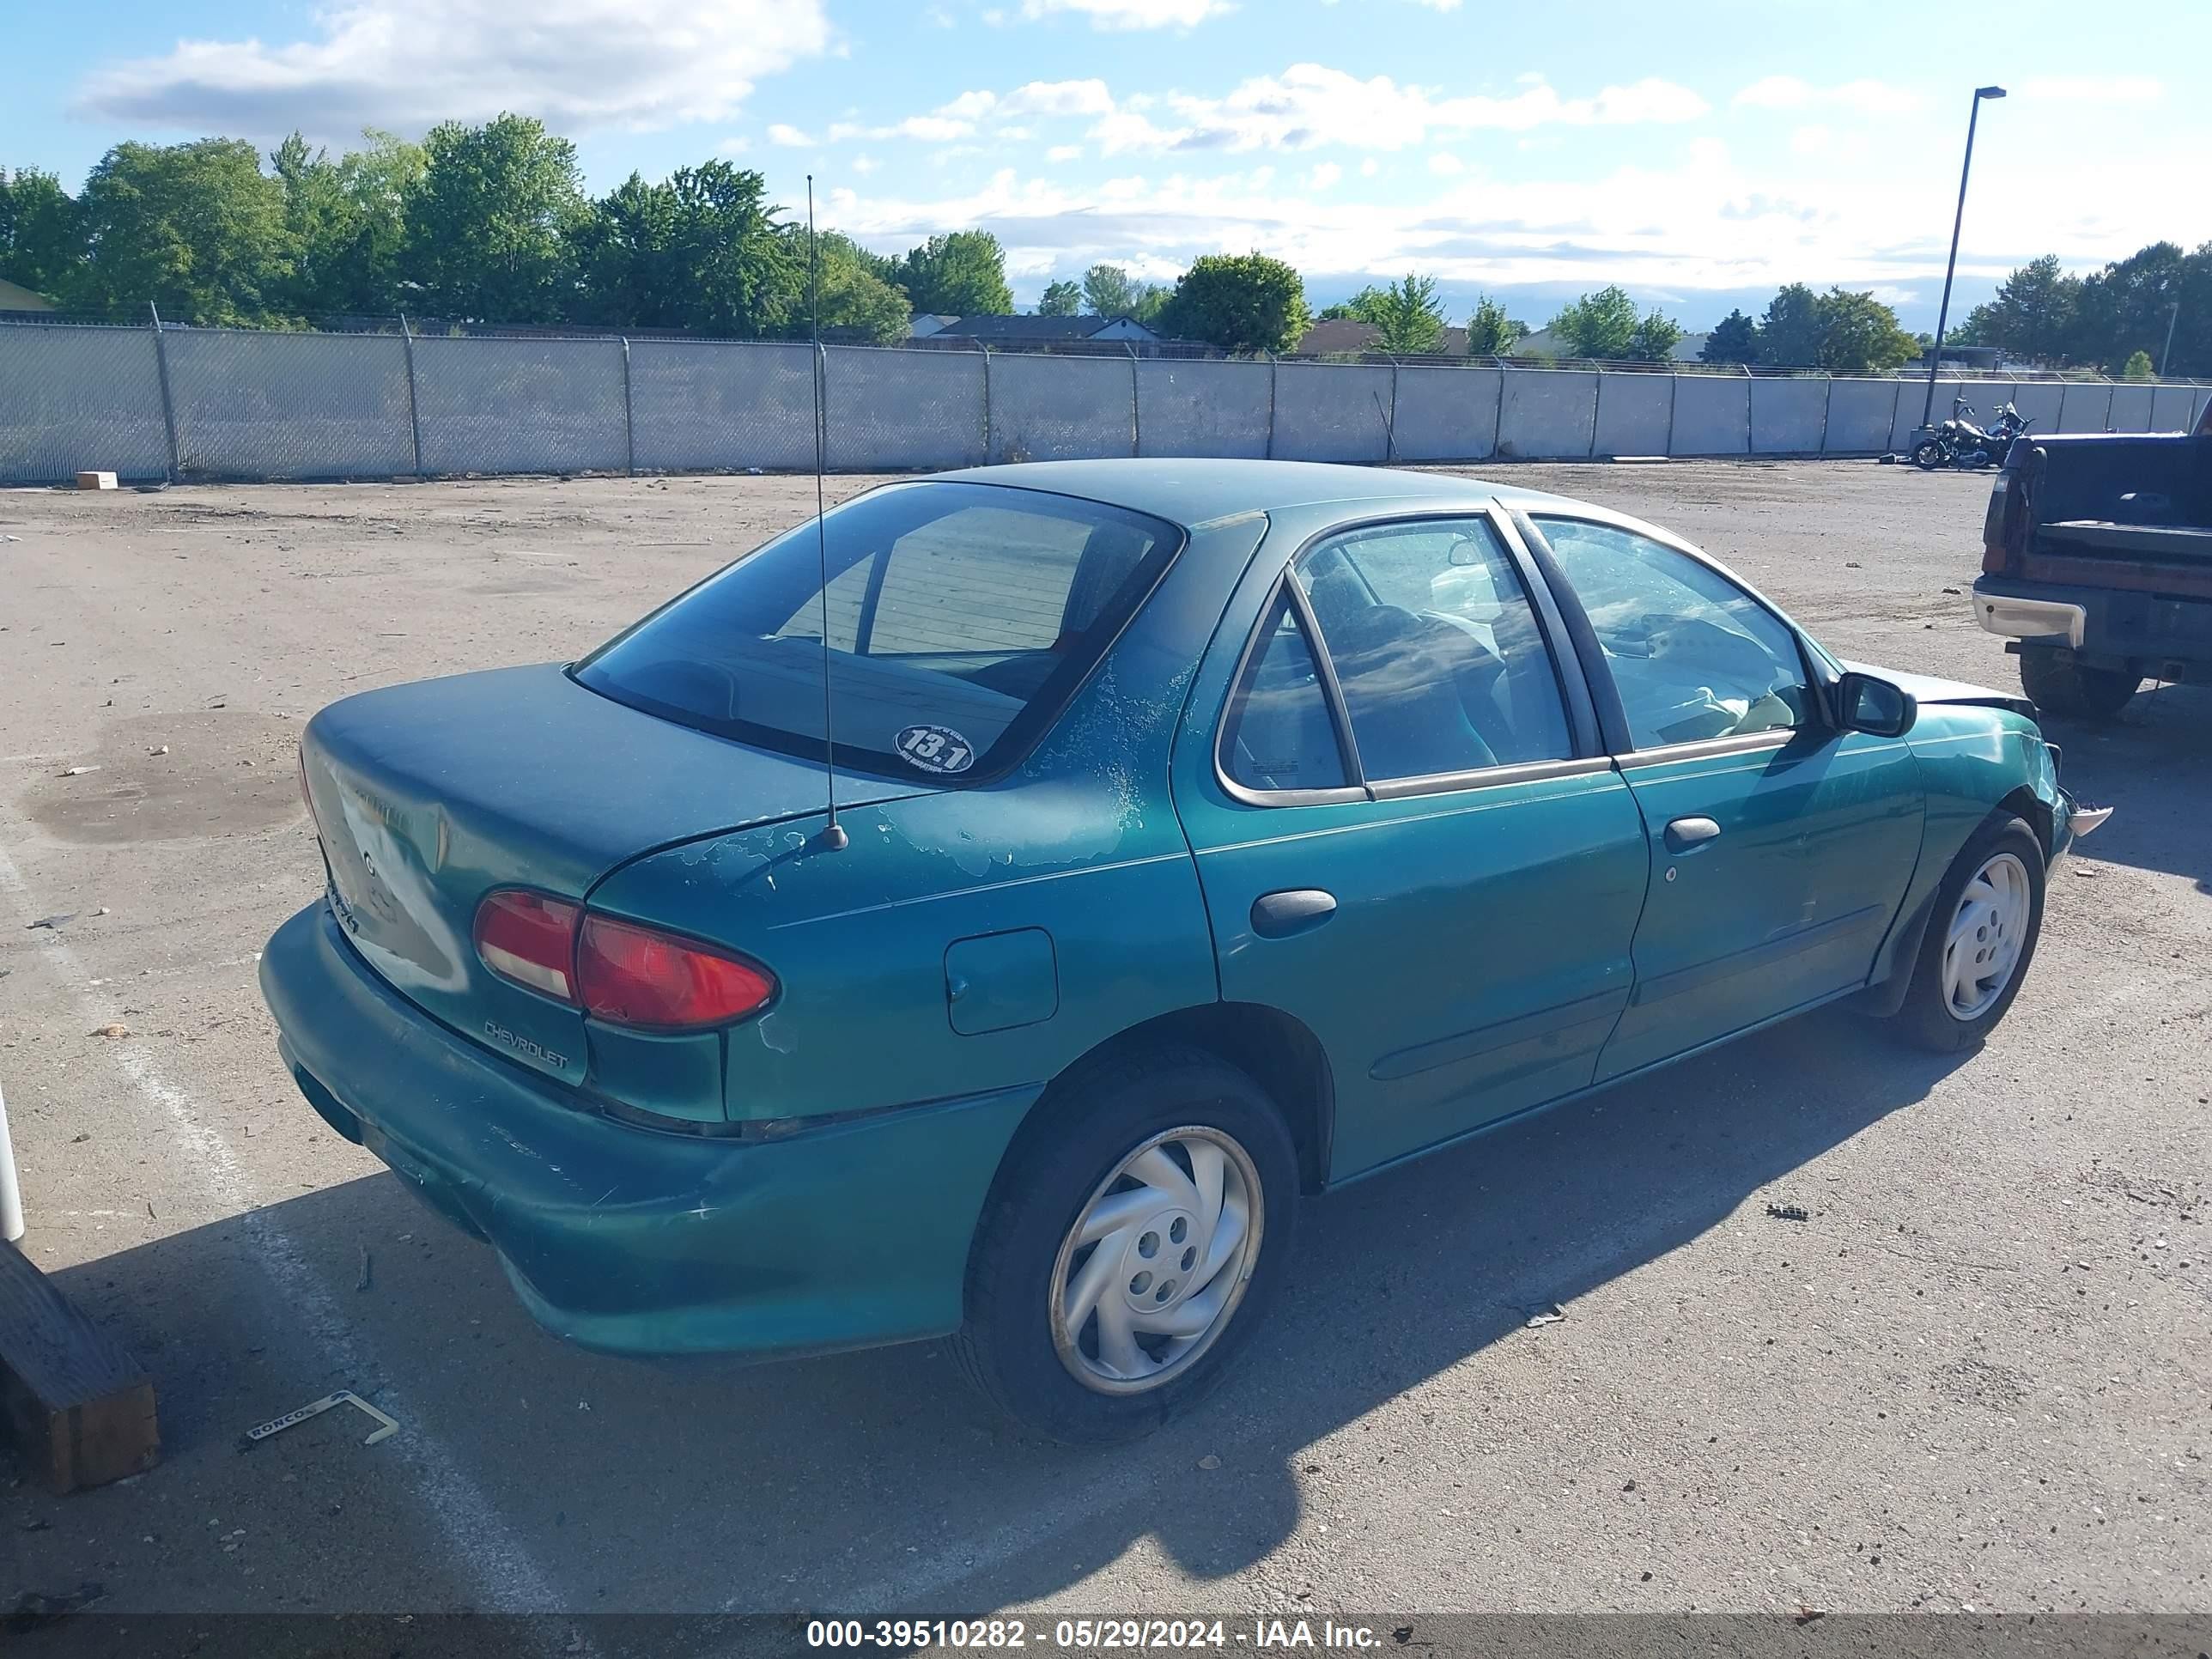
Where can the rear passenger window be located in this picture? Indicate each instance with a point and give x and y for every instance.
(1436, 650)
(1279, 734)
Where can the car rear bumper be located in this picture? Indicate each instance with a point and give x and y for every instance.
(632, 1240)
(2104, 625)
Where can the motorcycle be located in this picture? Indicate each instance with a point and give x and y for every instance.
(1962, 443)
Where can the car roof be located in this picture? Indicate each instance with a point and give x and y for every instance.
(1196, 492)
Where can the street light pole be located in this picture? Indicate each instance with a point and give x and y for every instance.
(1943, 313)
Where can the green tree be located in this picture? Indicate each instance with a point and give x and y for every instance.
(1789, 332)
(1240, 303)
(961, 275)
(1360, 308)
(41, 243)
(2125, 307)
(1108, 292)
(856, 297)
(1654, 338)
(489, 222)
(1490, 331)
(625, 258)
(2138, 367)
(1600, 325)
(1060, 299)
(1734, 339)
(2034, 314)
(347, 221)
(1859, 334)
(197, 229)
(729, 258)
(1407, 316)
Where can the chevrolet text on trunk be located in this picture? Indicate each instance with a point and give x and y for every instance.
(1206, 834)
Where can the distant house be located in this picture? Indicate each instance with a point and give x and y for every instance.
(1965, 357)
(1341, 336)
(927, 323)
(1545, 342)
(1031, 330)
(14, 296)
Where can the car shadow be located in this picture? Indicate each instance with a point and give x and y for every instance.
(873, 1480)
(2153, 766)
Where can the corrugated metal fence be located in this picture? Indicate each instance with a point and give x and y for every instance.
(216, 403)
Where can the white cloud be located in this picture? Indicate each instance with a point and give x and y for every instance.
(737, 144)
(2093, 88)
(1370, 167)
(1058, 98)
(1865, 97)
(969, 104)
(1826, 144)
(787, 136)
(1710, 220)
(1064, 153)
(1439, 5)
(1445, 165)
(1310, 104)
(1131, 13)
(924, 129)
(1324, 176)
(404, 64)
(865, 165)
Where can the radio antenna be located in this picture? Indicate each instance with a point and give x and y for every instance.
(833, 837)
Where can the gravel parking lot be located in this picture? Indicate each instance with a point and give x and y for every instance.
(1979, 1376)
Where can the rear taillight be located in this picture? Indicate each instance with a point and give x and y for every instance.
(617, 971)
(530, 939)
(636, 975)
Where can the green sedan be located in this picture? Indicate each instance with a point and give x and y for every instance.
(992, 911)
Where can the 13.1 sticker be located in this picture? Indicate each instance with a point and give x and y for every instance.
(935, 749)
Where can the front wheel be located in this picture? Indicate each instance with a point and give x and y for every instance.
(1130, 1247)
(1928, 455)
(2063, 684)
(1981, 937)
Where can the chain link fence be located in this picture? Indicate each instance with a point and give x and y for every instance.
(151, 403)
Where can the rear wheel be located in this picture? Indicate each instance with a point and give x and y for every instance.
(1981, 937)
(1130, 1247)
(2063, 684)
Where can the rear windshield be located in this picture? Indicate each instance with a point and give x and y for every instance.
(961, 618)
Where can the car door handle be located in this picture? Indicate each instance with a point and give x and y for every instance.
(1294, 910)
(1683, 833)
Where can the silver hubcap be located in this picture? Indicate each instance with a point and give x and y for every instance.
(1154, 1267)
(1987, 931)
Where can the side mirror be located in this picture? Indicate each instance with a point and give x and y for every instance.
(1864, 703)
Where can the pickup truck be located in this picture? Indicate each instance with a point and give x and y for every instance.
(2097, 561)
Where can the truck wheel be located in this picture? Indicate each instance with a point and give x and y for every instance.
(1130, 1246)
(2063, 684)
(1981, 937)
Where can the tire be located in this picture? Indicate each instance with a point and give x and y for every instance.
(2060, 683)
(2005, 915)
(1928, 455)
(1052, 1374)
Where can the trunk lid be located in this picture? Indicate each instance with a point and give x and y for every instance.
(427, 796)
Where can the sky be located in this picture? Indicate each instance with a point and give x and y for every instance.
(1699, 154)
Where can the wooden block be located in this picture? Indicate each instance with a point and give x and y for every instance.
(96, 481)
(79, 1408)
